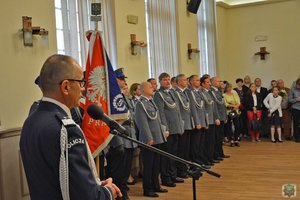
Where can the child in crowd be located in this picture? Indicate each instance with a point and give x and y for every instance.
(273, 103)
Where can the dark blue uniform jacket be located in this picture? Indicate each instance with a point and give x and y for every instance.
(40, 150)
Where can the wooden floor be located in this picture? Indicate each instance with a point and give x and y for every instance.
(254, 171)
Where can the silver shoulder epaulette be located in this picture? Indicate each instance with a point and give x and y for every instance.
(65, 120)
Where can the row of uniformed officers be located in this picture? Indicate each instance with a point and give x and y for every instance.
(186, 121)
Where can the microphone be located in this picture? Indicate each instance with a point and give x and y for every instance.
(97, 113)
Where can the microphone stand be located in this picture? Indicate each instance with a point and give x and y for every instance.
(195, 173)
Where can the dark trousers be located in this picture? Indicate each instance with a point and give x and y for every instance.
(151, 162)
(244, 122)
(115, 167)
(233, 129)
(210, 142)
(287, 122)
(197, 146)
(296, 123)
(266, 127)
(219, 136)
(128, 156)
(168, 166)
(183, 151)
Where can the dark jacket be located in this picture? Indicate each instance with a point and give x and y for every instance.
(263, 93)
(249, 102)
(40, 150)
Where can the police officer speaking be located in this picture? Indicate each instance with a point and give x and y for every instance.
(56, 157)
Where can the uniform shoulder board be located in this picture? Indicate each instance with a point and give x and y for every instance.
(65, 120)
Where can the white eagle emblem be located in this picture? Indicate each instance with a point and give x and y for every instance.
(97, 85)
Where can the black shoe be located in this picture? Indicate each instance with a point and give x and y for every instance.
(169, 184)
(219, 159)
(280, 141)
(178, 180)
(125, 198)
(215, 161)
(209, 164)
(150, 194)
(237, 144)
(161, 190)
(226, 156)
(183, 175)
(289, 138)
(273, 141)
(205, 166)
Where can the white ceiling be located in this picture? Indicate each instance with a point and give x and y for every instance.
(238, 3)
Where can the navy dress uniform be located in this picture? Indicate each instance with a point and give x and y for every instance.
(148, 122)
(129, 146)
(210, 116)
(56, 158)
(171, 118)
(115, 163)
(117, 155)
(184, 139)
(198, 135)
(222, 116)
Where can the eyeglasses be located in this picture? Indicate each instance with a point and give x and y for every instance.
(81, 82)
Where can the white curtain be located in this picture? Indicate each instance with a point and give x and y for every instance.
(110, 31)
(76, 22)
(69, 21)
(162, 42)
(207, 37)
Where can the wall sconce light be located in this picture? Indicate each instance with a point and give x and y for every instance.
(29, 31)
(262, 53)
(135, 43)
(190, 50)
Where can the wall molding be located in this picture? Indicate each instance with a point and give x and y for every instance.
(229, 6)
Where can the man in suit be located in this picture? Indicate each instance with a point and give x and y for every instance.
(286, 111)
(265, 132)
(211, 119)
(221, 115)
(198, 115)
(149, 124)
(171, 119)
(181, 93)
(56, 157)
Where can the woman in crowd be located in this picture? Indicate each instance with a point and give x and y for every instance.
(241, 91)
(135, 92)
(232, 102)
(137, 166)
(253, 105)
(273, 104)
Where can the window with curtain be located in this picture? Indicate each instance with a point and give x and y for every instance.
(161, 37)
(207, 37)
(72, 23)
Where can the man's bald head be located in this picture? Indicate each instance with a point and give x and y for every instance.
(215, 81)
(56, 69)
(146, 89)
